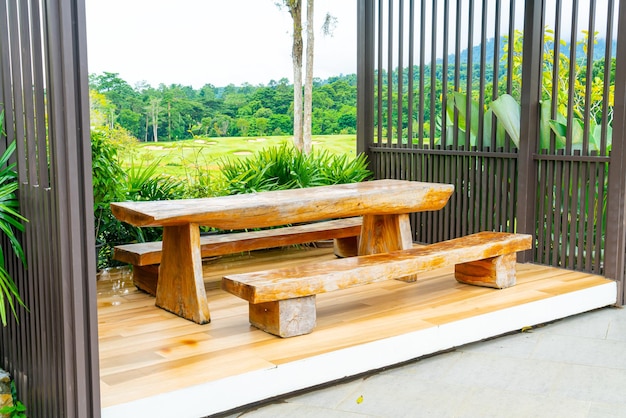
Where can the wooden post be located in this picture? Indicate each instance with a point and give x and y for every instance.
(385, 233)
(529, 123)
(180, 287)
(615, 242)
(497, 272)
(285, 318)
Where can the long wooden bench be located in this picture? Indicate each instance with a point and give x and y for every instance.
(146, 257)
(282, 301)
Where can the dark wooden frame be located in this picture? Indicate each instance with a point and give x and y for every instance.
(52, 352)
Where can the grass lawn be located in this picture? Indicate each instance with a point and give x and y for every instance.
(179, 158)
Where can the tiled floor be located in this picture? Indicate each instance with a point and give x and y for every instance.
(571, 368)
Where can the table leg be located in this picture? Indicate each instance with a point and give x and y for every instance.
(180, 287)
(384, 233)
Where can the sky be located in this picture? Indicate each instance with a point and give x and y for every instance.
(218, 42)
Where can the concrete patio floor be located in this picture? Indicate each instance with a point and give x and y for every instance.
(575, 367)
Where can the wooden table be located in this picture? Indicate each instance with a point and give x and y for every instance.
(384, 204)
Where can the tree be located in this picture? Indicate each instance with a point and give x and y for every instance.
(295, 10)
(303, 114)
(308, 81)
(153, 110)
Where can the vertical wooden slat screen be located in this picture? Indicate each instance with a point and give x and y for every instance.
(554, 184)
(52, 352)
(427, 89)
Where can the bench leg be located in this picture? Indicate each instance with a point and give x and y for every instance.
(498, 272)
(385, 233)
(346, 247)
(285, 318)
(146, 277)
(180, 287)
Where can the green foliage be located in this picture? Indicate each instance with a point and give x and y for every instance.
(10, 223)
(199, 180)
(17, 410)
(508, 112)
(184, 112)
(145, 178)
(284, 167)
(553, 127)
(341, 169)
(106, 170)
(507, 117)
(146, 183)
(112, 183)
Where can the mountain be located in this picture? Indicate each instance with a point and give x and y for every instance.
(599, 50)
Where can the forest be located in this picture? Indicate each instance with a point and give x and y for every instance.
(176, 112)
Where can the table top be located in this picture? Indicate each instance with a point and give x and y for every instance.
(273, 208)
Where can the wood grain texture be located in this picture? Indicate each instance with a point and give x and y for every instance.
(497, 272)
(147, 253)
(285, 318)
(309, 279)
(142, 346)
(145, 257)
(385, 233)
(180, 288)
(346, 247)
(146, 278)
(257, 210)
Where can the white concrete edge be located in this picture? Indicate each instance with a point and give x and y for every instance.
(229, 393)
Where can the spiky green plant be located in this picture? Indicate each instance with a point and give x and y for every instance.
(284, 167)
(10, 222)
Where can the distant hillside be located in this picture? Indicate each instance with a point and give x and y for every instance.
(599, 50)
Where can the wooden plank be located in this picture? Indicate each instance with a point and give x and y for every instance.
(181, 287)
(496, 272)
(147, 253)
(386, 233)
(308, 279)
(257, 210)
(350, 318)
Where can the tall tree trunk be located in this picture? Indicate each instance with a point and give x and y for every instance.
(169, 121)
(295, 9)
(154, 113)
(308, 80)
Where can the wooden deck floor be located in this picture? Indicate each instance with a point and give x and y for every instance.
(153, 361)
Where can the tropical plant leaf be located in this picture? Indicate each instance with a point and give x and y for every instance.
(10, 221)
(544, 125)
(508, 112)
(284, 167)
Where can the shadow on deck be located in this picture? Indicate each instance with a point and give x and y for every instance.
(153, 363)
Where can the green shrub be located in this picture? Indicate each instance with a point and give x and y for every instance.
(111, 184)
(284, 167)
(17, 410)
(10, 222)
(200, 181)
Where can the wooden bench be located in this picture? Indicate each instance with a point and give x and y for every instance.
(146, 257)
(282, 301)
